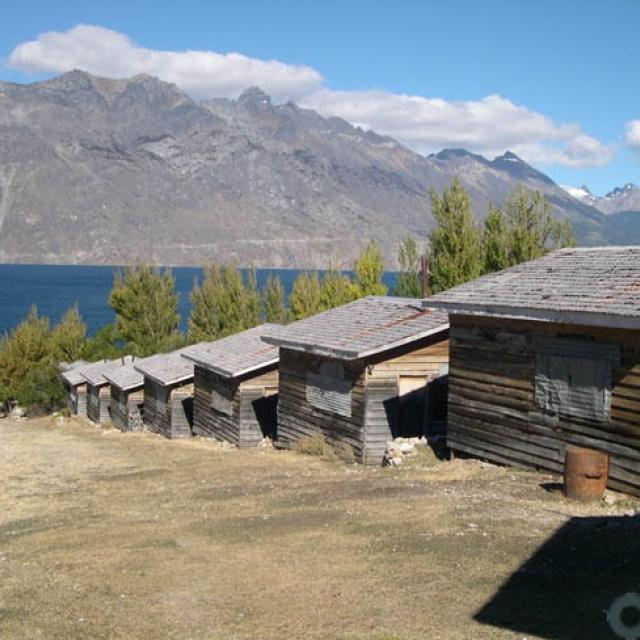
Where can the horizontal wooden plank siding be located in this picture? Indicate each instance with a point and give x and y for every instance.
(427, 358)
(298, 419)
(98, 404)
(167, 408)
(77, 399)
(126, 409)
(492, 408)
(242, 420)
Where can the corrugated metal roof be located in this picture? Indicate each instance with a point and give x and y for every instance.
(73, 376)
(597, 286)
(361, 328)
(237, 354)
(94, 373)
(166, 368)
(126, 377)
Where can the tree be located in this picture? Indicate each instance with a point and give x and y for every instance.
(532, 230)
(495, 241)
(409, 283)
(305, 297)
(69, 336)
(107, 344)
(28, 367)
(455, 253)
(336, 289)
(223, 305)
(275, 309)
(146, 306)
(369, 270)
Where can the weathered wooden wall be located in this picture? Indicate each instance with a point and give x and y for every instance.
(492, 409)
(98, 403)
(427, 360)
(163, 408)
(238, 421)
(126, 412)
(374, 416)
(298, 419)
(77, 399)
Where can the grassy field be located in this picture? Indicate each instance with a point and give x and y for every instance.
(110, 535)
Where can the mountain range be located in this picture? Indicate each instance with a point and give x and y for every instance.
(102, 171)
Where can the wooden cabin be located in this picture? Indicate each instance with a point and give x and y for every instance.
(547, 354)
(76, 387)
(168, 394)
(127, 397)
(98, 391)
(362, 374)
(236, 388)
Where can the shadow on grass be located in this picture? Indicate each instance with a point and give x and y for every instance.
(565, 589)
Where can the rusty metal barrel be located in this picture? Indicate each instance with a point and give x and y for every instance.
(586, 472)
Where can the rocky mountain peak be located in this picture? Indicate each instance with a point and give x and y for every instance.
(624, 190)
(254, 97)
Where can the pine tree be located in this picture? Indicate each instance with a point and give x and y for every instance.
(369, 270)
(455, 252)
(409, 283)
(336, 289)
(107, 344)
(28, 366)
(223, 305)
(69, 336)
(495, 241)
(305, 297)
(275, 309)
(146, 306)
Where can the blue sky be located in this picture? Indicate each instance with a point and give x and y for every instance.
(557, 82)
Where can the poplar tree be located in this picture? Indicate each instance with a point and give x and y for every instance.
(532, 230)
(409, 283)
(305, 298)
(69, 336)
(369, 269)
(275, 309)
(495, 241)
(146, 306)
(455, 252)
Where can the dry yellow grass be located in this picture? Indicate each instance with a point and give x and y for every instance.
(110, 535)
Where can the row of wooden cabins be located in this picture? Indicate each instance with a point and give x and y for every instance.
(516, 365)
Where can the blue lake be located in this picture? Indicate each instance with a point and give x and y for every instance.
(54, 288)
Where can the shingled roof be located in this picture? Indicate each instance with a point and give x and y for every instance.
(95, 373)
(126, 377)
(235, 355)
(361, 328)
(597, 286)
(166, 368)
(73, 376)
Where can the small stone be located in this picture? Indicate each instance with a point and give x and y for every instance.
(406, 447)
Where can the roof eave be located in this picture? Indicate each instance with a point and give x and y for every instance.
(346, 354)
(584, 318)
(226, 373)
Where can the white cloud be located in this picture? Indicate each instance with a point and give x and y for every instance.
(632, 135)
(203, 74)
(488, 126)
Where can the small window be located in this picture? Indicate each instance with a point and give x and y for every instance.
(574, 378)
(161, 402)
(329, 389)
(222, 398)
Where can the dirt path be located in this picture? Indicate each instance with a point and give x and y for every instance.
(109, 535)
